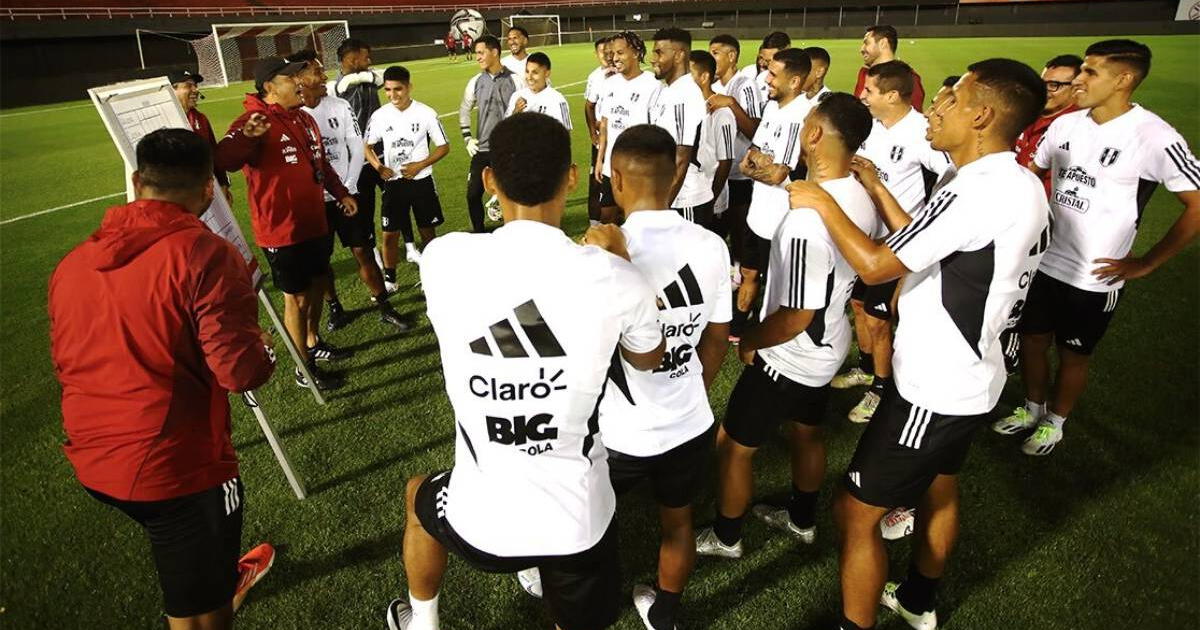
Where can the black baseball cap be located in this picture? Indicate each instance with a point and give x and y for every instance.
(271, 67)
(180, 75)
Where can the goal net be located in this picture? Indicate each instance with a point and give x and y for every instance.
(229, 53)
(544, 30)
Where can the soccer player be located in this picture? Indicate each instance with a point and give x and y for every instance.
(967, 254)
(1060, 99)
(279, 149)
(517, 39)
(187, 89)
(795, 351)
(530, 484)
(898, 149)
(406, 128)
(468, 46)
(624, 102)
(359, 85)
(815, 89)
(771, 45)
(1105, 161)
(153, 321)
(879, 46)
(591, 98)
(491, 90)
(452, 45)
(537, 95)
(679, 109)
(716, 153)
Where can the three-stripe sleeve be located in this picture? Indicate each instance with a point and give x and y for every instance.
(807, 264)
(1176, 167)
(941, 227)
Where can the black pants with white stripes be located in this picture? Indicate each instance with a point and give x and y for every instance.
(480, 161)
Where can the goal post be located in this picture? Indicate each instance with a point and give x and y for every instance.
(544, 30)
(229, 53)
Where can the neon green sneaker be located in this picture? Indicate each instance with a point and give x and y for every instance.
(865, 408)
(1020, 420)
(1043, 440)
(924, 621)
(853, 377)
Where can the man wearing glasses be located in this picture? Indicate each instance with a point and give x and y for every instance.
(1057, 75)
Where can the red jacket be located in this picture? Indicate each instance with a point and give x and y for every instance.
(918, 95)
(203, 128)
(1031, 138)
(287, 205)
(153, 320)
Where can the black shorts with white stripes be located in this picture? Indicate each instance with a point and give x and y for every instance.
(1077, 318)
(904, 448)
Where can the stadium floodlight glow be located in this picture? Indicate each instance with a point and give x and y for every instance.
(544, 30)
(228, 54)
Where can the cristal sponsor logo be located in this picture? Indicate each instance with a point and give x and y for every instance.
(521, 430)
(1077, 174)
(1071, 199)
(495, 389)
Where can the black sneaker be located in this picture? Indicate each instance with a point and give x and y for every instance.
(337, 319)
(324, 380)
(324, 351)
(393, 319)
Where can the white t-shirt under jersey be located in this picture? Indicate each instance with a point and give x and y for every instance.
(1103, 176)
(649, 413)
(808, 272)
(742, 88)
(901, 154)
(406, 135)
(525, 352)
(625, 103)
(778, 135)
(972, 251)
(549, 102)
(342, 139)
(680, 109)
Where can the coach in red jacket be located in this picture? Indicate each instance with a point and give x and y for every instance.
(279, 149)
(1058, 74)
(187, 90)
(153, 321)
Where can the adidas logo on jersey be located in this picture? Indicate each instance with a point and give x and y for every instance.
(283, 137)
(1075, 342)
(855, 478)
(1066, 146)
(674, 294)
(510, 345)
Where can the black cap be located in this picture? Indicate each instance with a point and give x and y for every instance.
(180, 75)
(271, 67)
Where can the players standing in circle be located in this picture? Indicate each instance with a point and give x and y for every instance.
(186, 85)
(591, 98)
(967, 255)
(716, 153)
(679, 109)
(406, 128)
(517, 39)
(804, 336)
(1105, 162)
(815, 88)
(879, 45)
(624, 102)
(530, 484)
(343, 145)
(490, 91)
(537, 96)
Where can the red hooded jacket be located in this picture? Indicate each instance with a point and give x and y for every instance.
(287, 204)
(1031, 138)
(153, 320)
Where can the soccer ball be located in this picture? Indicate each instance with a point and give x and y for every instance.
(468, 22)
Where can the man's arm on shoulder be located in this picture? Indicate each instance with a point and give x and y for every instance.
(875, 263)
(225, 309)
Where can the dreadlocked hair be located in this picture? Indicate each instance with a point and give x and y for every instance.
(634, 41)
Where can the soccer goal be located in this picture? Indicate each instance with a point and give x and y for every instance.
(229, 52)
(544, 30)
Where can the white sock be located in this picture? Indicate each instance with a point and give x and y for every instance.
(410, 246)
(1037, 410)
(425, 613)
(1054, 419)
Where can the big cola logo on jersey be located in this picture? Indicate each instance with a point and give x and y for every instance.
(675, 359)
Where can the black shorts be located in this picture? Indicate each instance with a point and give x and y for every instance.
(294, 266)
(196, 541)
(606, 194)
(1077, 318)
(757, 251)
(876, 298)
(676, 474)
(582, 590)
(763, 397)
(700, 215)
(904, 448)
(418, 195)
(355, 231)
(740, 191)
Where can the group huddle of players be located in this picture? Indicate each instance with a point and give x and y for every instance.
(1005, 213)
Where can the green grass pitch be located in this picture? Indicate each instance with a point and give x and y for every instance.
(1102, 534)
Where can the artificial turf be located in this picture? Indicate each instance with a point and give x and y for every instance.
(1101, 534)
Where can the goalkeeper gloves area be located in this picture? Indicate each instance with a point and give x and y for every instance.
(472, 146)
(366, 76)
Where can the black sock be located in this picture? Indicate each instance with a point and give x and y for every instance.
(334, 304)
(381, 301)
(663, 610)
(881, 383)
(846, 624)
(916, 592)
(389, 274)
(866, 362)
(802, 508)
(728, 530)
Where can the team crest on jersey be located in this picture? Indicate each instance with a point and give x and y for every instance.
(634, 97)
(897, 153)
(333, 122)
(1109, 155)
(416, 127)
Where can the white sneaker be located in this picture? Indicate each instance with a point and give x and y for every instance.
(411, 253)
(865, 409)
(390, 287)
(707, 544)
(1044, 439)
(643, 599)
(531, 581)
(780, 518)
(1020, 420)
(399, 615)
(898, 523)
(923, 621)
(853, 377)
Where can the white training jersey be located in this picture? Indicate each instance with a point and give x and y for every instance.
(808, 272)
(595, 79)
(406, 135)
(516, 66)
(625, 103)
(720, 143)
(680, 110)
(1102, 178)
(819, 96)
(342, 139)
(901, 154)
(549, 102)
(778, 136)
(525, 356)
(750, 72)
(745, 92)
(971, 252)
(649, 413)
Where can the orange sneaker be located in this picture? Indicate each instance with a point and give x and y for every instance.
(252, 567)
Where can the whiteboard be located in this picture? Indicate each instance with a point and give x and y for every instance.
(133, 109)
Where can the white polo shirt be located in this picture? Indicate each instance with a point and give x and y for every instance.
(406, 135)
(549, 102)
(525, 352)
(625, 103)
(342, 139)
(778, 136)
(901, 154)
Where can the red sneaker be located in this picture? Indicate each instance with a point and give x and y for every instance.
(252, 567)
